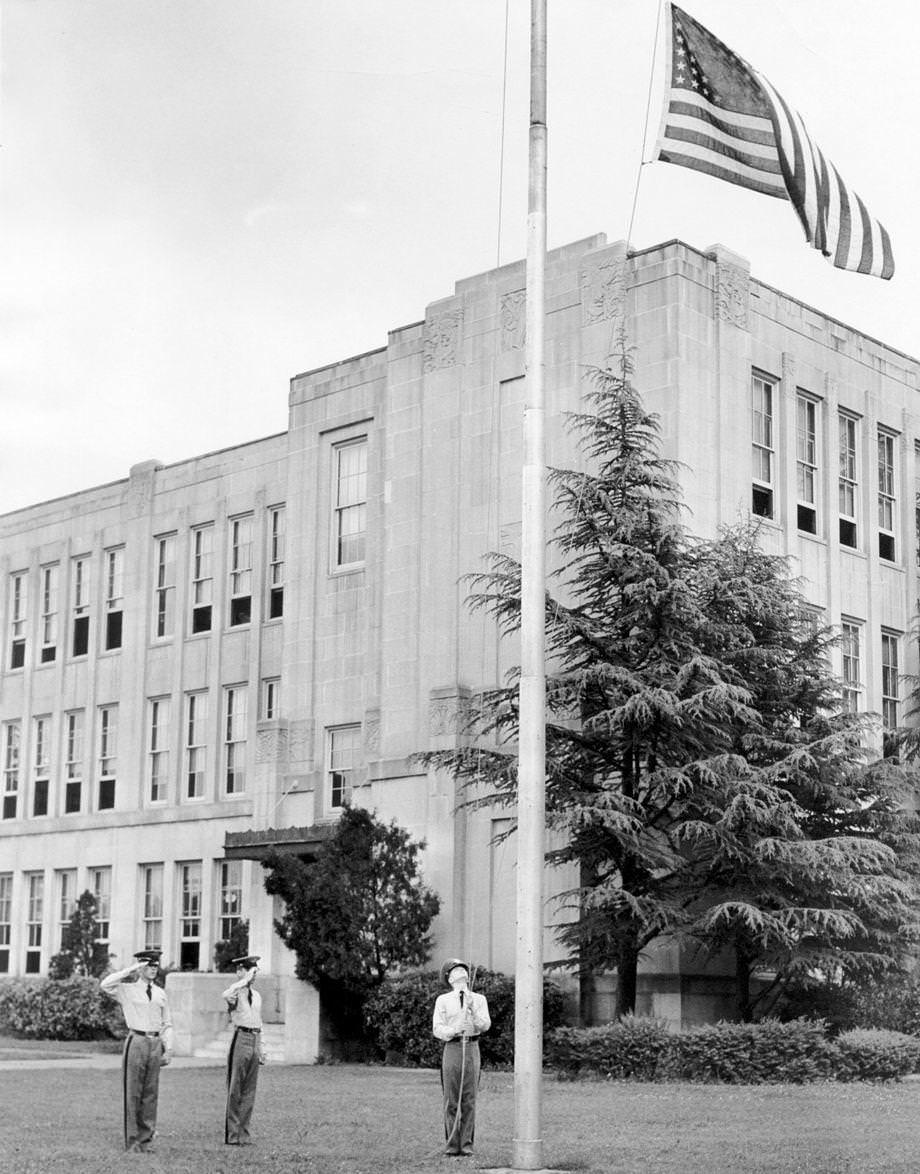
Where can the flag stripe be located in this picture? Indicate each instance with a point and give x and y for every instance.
(724, 118)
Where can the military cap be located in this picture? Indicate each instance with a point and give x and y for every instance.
(452, 964)
(247, 960)
(149, 956)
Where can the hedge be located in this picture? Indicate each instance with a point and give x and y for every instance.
(398, 1017)
(733, 1053)
(73, 1008)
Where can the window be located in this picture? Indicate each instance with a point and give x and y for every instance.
(276, 563)
(165, 593)
(240, 571)
(890, 680)
(887, 481)
(100, 885)
(847, 483)
(343, 756)
(41, 765)
(852, 672)
(67, 900)
(35, 887)
(350, 522)
(114, 597)
(196, 749)
(235, 740)
(806, 463)
(230, 882)
(6, 919)
(19, 592)
(152, 888)
(158, 757)
(11, 739)
(80, 588)
(108, 755)
(762, 446)
(202, 578)
(73, 762)
(271, 698)
(190, 917)
(49, 617)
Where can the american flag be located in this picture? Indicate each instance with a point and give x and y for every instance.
(724, 118)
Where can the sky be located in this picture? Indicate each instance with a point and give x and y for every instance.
(200, 199)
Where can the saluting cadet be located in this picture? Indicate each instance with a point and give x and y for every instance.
(460, 1016)
(148, 1045)
(246, 1051)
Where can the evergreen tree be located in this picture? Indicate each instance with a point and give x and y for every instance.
(81, 951)
(690, 759)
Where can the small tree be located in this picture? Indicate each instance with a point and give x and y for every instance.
(81, 951)
(354, 914)
(235, 946)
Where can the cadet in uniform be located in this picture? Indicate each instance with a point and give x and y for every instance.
(148, 1045)
(459, 1018)
(246, 1051)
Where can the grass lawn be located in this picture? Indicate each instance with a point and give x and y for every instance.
(350, 1119)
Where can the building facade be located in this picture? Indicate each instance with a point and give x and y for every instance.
(208, 658)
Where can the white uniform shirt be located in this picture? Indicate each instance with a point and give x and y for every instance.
(242, 1012)
(451, 1019)
(141, 1013)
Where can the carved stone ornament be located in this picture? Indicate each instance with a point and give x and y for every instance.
(442, 339)
(514, 320)
(733, 294)
(300, 741)
(603, 291)
(272, 745)
(447, 715)
(372, 733)
(788, 367)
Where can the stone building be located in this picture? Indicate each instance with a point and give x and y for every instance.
(206, 658)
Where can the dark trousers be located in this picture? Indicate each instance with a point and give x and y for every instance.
(140, 1070)
(242, 1078)
(459, 1082)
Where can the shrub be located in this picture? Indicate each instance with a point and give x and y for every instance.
(892, 1003)
(836, 1004)
(635, 1048)
(72, 1008)
(871, 1054)
(756, 1053)
(233, 947)
(398, 1017)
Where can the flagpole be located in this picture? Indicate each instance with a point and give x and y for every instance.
(527, 1146)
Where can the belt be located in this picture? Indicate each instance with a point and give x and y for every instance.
(253, 1030)
(151, 1034)
(470, 1039)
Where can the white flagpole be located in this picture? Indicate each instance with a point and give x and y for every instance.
(528, 998)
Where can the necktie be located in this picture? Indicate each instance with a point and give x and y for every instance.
(461, 1000)
(249, 995)
(149, 993)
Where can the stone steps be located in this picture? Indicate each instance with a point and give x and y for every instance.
(272, 1041)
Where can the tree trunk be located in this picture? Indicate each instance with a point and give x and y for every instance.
(627, 967)
(743, 983)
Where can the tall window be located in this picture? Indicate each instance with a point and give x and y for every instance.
(350, 521)
(165, 593)
(73, 761)
(49, 616)
(100, 885)
(196, 745)
(19, 602)
(41, 764)
(343, 757)
(230, 883)
(271, 698)
(762, 453)
(852, 668)
(890, 680)
(276, 562)
(79, 607)
(806, 463)
(190, 916)
(35, 887)
(158, 754)
(240, 570)
(66, 900)
(11, 741)
(108, 755)
(202, 578)
(152, 888)
(6, 920)
(235, 739)
(114, 596)
(847, 480)
(887, 491)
